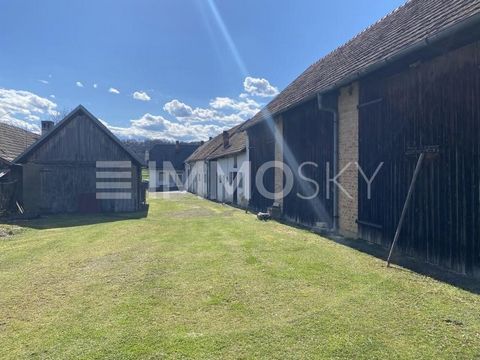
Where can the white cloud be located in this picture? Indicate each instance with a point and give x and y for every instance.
(32, 117)
(222, 110)
(141, 95)
(198, 123)
(245, 108)
(157, 127)
(52, 96)
(113, 91)
(95, 86)
(259, 87)
(79, 84)
(43, 81)
(24, 109)
(178, 109)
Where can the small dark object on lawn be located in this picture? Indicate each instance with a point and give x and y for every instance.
(263, 216)
(275, 211)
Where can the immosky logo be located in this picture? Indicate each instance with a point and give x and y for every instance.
(310, 187)
(114, 180)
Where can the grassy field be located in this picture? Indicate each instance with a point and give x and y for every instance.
(196, 279)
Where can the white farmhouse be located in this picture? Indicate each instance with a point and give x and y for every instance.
(219, 169)
(231, 175)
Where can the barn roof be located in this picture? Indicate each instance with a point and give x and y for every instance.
(175, 153)
(236, 144)
(14, 141)
(79, 110)
(206, 150)
(407, 27)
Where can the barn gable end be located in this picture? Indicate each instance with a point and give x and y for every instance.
(60, 170)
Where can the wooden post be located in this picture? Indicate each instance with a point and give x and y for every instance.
(406, 205)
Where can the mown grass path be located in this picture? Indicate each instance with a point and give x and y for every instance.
(200, 280)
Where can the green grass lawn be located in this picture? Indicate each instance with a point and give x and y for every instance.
(200, 280)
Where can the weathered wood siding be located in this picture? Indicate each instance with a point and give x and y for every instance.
(432, 103)
(60, 176)
(261, 150)
(308, 137)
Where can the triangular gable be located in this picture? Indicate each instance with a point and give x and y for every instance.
(73, 114)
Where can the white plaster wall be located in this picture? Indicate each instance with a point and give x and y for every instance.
(196, 178)
(224, 167)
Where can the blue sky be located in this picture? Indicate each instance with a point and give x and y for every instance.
(174, 69)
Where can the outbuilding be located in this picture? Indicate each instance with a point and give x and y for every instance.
(78, 165)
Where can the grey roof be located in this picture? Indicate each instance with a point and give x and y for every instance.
(205, 151)
(236, 144)
(14, 141)
(405, 27)
(78, 110)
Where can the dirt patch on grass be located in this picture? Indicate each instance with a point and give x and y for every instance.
(7, 232)
(192, 213)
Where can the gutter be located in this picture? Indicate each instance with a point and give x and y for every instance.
(419, 45)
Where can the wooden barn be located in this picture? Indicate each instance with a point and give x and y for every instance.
(80, 166)
(402, 95)
(261, 147)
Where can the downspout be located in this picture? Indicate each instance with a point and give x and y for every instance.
(334, 113)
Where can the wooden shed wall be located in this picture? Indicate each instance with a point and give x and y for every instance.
(60, 175)
(308, 137)
(262, 149)
(431, 103)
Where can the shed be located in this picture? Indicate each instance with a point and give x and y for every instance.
(80, 166)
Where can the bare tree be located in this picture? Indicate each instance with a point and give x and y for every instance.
(60, 115)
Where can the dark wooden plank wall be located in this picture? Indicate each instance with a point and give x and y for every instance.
(262, 150)
(61, 174)
(308, 136)
(432, 103)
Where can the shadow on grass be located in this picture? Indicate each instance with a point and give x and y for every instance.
(404, 263)
(72, 220)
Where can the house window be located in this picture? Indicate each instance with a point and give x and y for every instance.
(240, 180)
(235, 162)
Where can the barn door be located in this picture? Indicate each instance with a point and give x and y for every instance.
(428, 105)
